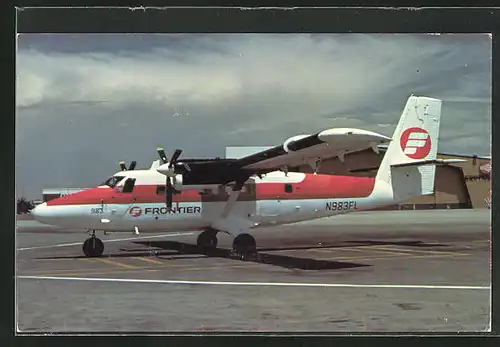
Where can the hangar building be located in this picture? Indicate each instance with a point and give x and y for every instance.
(49, 194)
(459, 185)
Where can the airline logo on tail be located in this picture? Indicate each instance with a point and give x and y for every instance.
(415, 143)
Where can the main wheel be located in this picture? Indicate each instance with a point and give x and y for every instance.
(244, 244)
(93, 247)
(207, 240)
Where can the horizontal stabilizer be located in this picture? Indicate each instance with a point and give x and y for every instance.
(430, 162)
(419, 163)
(365, 169)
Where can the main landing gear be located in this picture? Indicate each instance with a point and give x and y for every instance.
(207, 240)
(93, 247)
(243, 244)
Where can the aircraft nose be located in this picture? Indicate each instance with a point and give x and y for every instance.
(42, 213)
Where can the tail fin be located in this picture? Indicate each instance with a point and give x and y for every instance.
(408, 167)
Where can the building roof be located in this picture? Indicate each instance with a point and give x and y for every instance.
(472, 156)
(241, 151)
(61, 190)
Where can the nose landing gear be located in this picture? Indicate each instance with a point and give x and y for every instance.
(93, 247)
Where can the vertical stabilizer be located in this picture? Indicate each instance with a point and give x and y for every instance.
(405, 171)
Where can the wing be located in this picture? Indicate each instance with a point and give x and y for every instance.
(295, 151)
(303, 149)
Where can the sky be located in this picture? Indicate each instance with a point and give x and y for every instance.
(86, 101)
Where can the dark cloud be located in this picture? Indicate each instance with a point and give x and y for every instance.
(87, 101)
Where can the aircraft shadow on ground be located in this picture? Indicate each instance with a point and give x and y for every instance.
(417, 243)
(262, 258)
(174, 250)
(356, 243)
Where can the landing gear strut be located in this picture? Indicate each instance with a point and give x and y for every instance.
(207, 240)
(93, 247)
(245, 245)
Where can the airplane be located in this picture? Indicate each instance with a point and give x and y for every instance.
(236, 196)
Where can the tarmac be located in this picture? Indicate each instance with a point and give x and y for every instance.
(384, 271)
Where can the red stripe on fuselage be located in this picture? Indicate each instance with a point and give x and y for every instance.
(312, 187)
(318, 187)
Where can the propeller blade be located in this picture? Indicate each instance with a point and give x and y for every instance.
(162, 155)
(168, 193)
(174, 158)
(132, 165)
(122, 166)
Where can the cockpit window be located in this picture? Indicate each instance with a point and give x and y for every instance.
(113, 181)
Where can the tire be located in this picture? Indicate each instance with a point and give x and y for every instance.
(244, 244)
(207, 240)
(93, 247)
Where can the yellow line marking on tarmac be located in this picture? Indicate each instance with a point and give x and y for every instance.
(482, 241)
(115, 263)
(391, 250)
(64, 270)
(188, 267)
(203, 268)
(139, 269)
(54, 259)
(424, 251)
(106, 260)
(388, 256)
(150, 260)
(358, 249)
(90, 260)
(408, 257)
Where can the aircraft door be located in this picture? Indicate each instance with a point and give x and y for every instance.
(281, 208)
(247, 200)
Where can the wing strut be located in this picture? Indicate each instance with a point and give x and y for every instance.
(233, 196)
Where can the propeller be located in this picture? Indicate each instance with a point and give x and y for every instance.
(162, 155)
(169, 171)
(131, 166)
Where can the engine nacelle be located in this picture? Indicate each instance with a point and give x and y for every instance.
(292, 139)
(178, 183)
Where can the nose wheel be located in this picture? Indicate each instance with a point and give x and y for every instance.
(93, 247)
(245, 245)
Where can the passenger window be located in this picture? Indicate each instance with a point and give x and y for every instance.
(128, 187)
(288, 188)
(160, 190)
